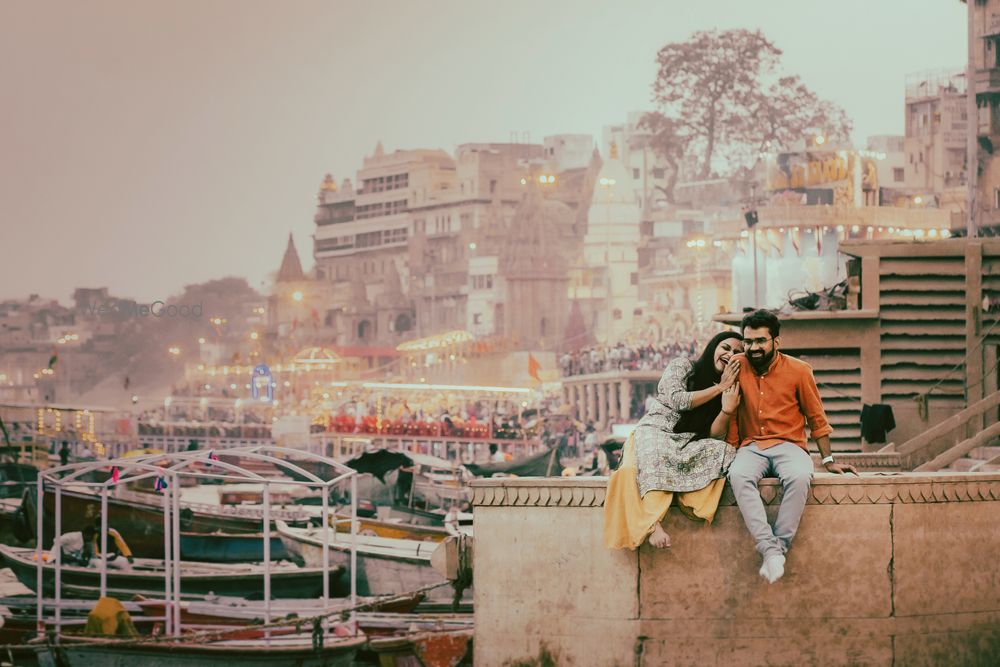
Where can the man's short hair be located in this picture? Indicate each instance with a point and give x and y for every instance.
(89, 530)
(761, 318)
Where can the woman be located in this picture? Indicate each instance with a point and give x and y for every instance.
(677, 447)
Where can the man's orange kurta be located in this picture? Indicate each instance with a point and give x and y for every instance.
(775, 406)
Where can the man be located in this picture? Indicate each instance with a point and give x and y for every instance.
(778, 395)
(75, 548)
(64, 453)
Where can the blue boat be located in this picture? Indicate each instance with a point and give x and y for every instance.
(230, 548)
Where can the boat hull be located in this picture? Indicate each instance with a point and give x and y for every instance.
(141, 525)
(80, 653)
(148, 579)
(378, 573)
(229, 548)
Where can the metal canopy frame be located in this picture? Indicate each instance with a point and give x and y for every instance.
(173, 467)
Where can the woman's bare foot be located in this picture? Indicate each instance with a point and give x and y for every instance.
(659, 538)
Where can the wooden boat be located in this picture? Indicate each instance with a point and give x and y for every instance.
(291, 650)
(139, 523)
(229, 548)
(398, 530)
(233, 611)
(385, 566)
(147, 578)
(428, 649)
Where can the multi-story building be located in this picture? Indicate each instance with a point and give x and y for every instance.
(425, 244)
(935, 139)
(985, 53)
(649, 173)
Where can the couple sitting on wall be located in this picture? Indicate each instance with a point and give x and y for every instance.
(741, 407)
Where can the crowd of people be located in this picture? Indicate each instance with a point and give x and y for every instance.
(622, 357)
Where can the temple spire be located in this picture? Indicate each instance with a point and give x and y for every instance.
(291, 267)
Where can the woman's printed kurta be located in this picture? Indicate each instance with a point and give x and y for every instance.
(669, 461)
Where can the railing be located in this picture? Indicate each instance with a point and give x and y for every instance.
(944, 443)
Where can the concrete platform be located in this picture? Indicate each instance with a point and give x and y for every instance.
(887, 569)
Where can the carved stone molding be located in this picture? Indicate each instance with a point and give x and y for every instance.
(869, 489)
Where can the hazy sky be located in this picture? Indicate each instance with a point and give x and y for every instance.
(145, 145)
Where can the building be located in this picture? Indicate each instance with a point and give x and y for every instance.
(607, 282)
(649, 172)
(935, 141)
(889, 151)
(432, 243)
(985, 52)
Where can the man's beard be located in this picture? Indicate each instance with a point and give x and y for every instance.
(762, 362)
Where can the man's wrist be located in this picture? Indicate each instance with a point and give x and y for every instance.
(828, 459)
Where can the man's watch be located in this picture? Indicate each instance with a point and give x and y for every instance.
(828, 459)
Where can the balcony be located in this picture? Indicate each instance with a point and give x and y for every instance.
(988, 81)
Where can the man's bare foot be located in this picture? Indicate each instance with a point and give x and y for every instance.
(659, 538)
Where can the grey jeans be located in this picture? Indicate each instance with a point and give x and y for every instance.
(790, 464)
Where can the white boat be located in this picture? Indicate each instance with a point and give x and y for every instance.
(386, 566)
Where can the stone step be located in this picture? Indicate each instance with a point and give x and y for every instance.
(985, 453)
(964, 464)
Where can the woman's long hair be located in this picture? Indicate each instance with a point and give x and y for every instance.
(699, 420)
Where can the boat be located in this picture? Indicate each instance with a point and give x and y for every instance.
(229, 548)
(385, 566)
(147, 578)
(235, 611)
(543, 464)
(399, 530)
(140, 523)
(428, 649)
(420, 517)
(292, 650)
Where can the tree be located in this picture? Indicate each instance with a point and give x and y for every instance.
(720, 98)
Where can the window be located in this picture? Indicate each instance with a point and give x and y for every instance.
(635, 173)
(897, 174)
(634, 279)
(493, 186)
(477, 318)
(996, 198)
(657, 172)
(616, 314)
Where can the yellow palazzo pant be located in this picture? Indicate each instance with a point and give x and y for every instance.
(629, 519)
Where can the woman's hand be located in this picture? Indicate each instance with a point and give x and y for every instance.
(731, 398)
(730, 375)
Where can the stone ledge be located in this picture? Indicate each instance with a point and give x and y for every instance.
(827, 489)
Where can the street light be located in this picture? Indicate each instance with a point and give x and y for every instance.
(297, 295)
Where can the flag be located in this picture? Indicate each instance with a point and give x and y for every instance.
(161, 484)
(53, 359)
(213, 456)
(114, 474)
(315, 317)
(236, 358)
(534, 367)
(295, 325)
(127, 382)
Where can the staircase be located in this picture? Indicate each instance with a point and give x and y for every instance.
(980, 459)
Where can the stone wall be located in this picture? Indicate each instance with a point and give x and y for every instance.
(887, 569)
